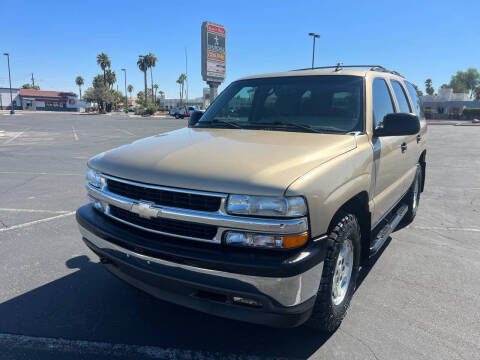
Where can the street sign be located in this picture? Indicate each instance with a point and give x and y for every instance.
(213, 52)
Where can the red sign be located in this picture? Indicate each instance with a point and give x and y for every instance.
(216, 29)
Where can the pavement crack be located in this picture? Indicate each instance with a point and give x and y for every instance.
(3, 224)
(361, 342)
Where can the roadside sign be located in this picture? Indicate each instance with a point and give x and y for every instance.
(213, 52)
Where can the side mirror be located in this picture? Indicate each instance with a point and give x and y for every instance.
(398, 124)
(194, 117)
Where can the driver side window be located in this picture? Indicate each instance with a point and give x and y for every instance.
(382, 102)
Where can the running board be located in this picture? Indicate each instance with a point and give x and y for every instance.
(387, 229)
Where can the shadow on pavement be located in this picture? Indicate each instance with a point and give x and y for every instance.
(91, 304)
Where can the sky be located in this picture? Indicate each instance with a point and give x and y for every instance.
(59, 40)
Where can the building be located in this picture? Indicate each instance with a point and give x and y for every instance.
(175, 103)
(49, 100)
(5, 103)
(447, 102)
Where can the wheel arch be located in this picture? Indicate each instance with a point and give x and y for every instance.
(357, 205)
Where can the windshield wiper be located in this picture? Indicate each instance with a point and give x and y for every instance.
(299, 126)
(217, 121)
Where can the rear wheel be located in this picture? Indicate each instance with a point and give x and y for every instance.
(412, 199)
(177, 116)
(339, 276)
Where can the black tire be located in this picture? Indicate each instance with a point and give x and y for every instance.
(327, 315)
(177, 116)
(413, 192)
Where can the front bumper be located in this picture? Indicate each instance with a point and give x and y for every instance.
(280, 287)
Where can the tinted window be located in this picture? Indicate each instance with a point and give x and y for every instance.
(417, 105)
(382, 101)
(401, 97)
(330, 103)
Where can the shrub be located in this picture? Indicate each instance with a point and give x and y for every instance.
(139, 110)
(152, 109)
(471, 113)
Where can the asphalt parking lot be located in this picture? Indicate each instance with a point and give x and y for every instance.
(420, 300)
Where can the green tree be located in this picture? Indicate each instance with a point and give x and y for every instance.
(476, 92)
(130, 90)
(143, 66)
(111, 78)
(465, 81)
(104, 62)
(79, 81)
(30, 86)
(140, 97)
(181, 81)
(151, 60)
(428, 87)
(155, 87)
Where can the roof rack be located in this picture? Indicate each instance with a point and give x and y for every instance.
(340, 66)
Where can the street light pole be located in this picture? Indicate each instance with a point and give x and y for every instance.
(126, 96)
(12, 110)
(315, 36)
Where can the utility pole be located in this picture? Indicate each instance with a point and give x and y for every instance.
(33, 80)
(186, 71)
(12, 110)
(315, 36)
(126, 96)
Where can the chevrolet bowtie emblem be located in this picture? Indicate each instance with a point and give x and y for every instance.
(145, 209)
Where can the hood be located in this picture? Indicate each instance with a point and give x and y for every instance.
(223, 160)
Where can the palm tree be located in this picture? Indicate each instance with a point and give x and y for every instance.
(151, 63)
(111, 78)
(142, 65)
(104, 62)
(155, 86)
(79, 81)
(130, 90)
(181, 80)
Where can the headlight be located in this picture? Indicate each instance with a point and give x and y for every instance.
(93, 178)
(266, 206)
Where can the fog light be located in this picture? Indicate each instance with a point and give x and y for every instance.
(245, 301)
(97, 204)
(238, 238)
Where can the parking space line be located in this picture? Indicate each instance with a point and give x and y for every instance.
(38, 173)
(89, 348)
(35, 211)
(127, 132)
(20, 226)
(16, 136)
(75, 136)
(445, 228)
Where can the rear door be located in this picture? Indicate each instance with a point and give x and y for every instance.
(389, 159)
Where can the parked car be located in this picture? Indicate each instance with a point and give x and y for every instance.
(267, 205)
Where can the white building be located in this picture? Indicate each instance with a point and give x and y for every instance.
(5, 103)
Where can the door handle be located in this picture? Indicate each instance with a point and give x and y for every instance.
(403, 147)
(419, 138)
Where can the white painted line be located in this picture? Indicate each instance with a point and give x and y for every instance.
(126, 132)
(20, 226)
(89, 348)
(16, 136)
(445, 228)
(35, 211)
(75, 136)
(39, 173)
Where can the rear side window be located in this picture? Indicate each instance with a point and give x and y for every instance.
(401, 97)
(417, 105)
(382, 101)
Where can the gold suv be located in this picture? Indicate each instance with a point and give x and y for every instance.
(266, 205)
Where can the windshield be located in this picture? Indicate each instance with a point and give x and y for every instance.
(326, 103)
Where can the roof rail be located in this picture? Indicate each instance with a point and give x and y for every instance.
(340, 66)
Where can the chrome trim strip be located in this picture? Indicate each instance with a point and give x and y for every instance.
(159, 187)
(216, 240)
(220, 219)
(289, 291)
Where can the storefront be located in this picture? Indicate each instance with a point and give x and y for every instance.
(38, 100)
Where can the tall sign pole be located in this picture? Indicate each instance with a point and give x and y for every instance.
(213, 56)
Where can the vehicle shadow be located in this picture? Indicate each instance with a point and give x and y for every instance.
(91, 304)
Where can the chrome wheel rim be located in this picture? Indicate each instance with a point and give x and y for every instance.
(343, 272)
(416, 188)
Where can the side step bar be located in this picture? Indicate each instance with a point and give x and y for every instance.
(383, 234)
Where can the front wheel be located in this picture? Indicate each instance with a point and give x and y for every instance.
(177, 116)
(412, 199)
(339, 276)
